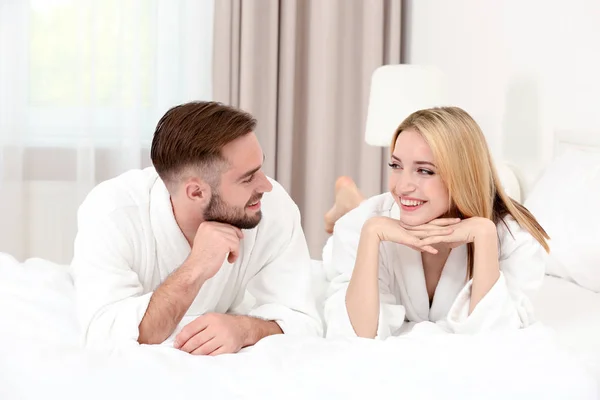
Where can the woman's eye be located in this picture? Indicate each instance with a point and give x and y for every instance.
(423, 171)
(394, 166)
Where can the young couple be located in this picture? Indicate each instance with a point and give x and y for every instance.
(207, 252)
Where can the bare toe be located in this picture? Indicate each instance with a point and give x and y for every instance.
(330, 219)
(347, 195)
(347, 198)
(343, 181)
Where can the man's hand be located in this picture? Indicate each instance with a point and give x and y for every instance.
(213, 242)
(213, 334)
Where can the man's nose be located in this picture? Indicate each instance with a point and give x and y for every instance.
(266, 185)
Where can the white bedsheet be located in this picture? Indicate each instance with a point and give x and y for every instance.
(573, 313)
(40, 359)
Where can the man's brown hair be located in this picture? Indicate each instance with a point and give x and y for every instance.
(193, 135)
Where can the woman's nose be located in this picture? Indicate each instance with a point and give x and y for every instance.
(405, 183)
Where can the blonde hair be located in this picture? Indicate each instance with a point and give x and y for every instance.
(465, 166)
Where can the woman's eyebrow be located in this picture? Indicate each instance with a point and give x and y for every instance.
(416, 162)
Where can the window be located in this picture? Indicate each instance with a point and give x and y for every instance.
(99, 73)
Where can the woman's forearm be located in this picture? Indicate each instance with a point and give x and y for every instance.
(486, 269)
(362, 297)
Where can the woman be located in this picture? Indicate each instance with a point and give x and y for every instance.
(445, 244)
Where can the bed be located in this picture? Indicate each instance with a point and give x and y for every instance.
(556, 358)
(40, 356)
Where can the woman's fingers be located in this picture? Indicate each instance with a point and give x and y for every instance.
(435, 224)
(427, 249)
(444, 221)
(437, 239)
(430, 249)
(419, 245)
(436, 232)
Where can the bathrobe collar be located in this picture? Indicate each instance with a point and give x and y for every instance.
(172, 247)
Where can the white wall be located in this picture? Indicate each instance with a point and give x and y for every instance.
(524, 69)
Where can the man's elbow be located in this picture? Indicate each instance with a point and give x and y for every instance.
(147, 336)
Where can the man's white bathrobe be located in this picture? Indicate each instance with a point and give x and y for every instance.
(128, 243)
(403, 294)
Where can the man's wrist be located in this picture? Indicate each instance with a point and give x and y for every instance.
(195, 272)
(256, 328)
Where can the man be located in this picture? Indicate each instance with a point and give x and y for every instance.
(203, 239)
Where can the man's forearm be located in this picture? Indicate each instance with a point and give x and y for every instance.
(259, 328)
(168, 305)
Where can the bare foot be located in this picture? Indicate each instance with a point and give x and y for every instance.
(347, 198)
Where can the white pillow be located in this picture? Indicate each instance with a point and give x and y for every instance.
(566, 201)
(509, 181)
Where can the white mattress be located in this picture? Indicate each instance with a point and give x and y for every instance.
(40, 357)
(574, 314)
(570, 310)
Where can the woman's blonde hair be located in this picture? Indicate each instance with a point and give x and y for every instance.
(465, 165)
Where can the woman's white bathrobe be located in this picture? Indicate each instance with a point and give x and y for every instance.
(403, 294)
(128, 243)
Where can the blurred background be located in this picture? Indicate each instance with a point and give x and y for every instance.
(84, 82)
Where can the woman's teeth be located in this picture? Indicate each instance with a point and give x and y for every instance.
(412, 203)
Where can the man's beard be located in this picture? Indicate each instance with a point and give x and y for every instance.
(219, 211)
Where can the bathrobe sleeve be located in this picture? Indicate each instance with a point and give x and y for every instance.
(110, 298)
(282, 288)
(339, 265)
(508, 304)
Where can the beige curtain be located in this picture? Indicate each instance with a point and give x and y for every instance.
(303, 68)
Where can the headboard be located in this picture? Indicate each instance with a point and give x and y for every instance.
(550, 148)
(582, 140)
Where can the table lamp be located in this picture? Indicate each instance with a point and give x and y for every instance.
(396, 92)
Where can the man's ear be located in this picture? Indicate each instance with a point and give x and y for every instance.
(197, 190)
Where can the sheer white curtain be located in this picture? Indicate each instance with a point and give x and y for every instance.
(82, 85)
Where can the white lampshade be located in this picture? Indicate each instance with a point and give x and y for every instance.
(396, 92)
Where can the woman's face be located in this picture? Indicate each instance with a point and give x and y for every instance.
(414, 181)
